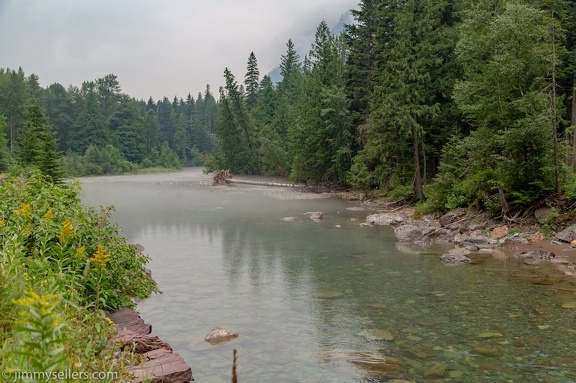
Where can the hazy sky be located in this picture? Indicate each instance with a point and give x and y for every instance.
(156, 48)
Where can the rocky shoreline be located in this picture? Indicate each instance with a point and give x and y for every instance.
(467, 235)
(160, 364)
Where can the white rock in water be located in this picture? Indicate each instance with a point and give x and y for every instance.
(288, 219)
(219, 334)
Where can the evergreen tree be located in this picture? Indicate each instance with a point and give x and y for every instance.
(320, 136)
(128, 131)
(13, 100)
(404, 102)
(60, 113)
(90, 128)
(37, 146)
(3, 141)
(252, 81)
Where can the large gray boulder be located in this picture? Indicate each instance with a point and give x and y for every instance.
(568, 234)
(408, 233)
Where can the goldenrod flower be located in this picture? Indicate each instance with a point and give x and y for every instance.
(78, 364)
(48, 215)
(110, 322)
(100, 258)
(80, 251)
(1, 222)
(66, 233)
(24, 211)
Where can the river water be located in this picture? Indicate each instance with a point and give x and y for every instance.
(330, 301)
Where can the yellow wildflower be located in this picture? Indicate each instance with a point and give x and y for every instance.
(110, 322)
(49, 214)
(80, 251)
(24, 211)
(100, 258)
(78, 364)
(1, 222)
(66, 233)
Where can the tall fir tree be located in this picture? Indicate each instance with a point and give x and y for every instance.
(37, 146)
(252, 81)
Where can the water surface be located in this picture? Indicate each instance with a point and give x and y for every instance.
(329, 301)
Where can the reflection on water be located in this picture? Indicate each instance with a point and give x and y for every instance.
(314, 302)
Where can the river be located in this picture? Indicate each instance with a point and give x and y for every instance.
(329, 301)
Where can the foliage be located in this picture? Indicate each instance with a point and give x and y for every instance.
(60, 265)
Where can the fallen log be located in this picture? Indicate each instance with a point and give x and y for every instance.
(262, 183)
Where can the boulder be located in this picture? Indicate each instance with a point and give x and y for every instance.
(452, 217)
(408, 233)
(384, 219)
(542, 214)
(455, 259)
(219, 334)
(567, 235)
(162, 366)
(500, 232)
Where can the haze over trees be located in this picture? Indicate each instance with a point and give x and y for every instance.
(97, 129)
(455, 102)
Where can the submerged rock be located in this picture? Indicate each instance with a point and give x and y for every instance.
(455, 259)
(487, 351)
(219, 334)
(437, 371)
(288, 219)
(315, 216)
(377, 334)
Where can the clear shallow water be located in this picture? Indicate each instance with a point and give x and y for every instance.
(318, 303)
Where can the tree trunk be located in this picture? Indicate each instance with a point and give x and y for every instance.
(418, 189)
(554, 112)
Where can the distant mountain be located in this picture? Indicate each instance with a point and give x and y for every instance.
(345, 19)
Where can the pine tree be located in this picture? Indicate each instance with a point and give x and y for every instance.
(3, 142)
(37, 146)
(90, 128)
(252, 81)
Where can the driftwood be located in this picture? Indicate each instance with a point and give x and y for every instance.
(225, 177)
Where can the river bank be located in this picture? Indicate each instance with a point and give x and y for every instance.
(477, 234)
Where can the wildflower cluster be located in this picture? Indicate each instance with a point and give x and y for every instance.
(100, 257)
(66, 233)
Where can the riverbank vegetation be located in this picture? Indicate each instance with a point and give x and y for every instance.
(61, 266)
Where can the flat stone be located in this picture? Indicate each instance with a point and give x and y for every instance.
(140, 343)
(487, 335)
(127, 319)
(219, 334)
(288, 219)
(536, 237)
(459, 251)
(162, 366)
(487, 351)
(315, 216)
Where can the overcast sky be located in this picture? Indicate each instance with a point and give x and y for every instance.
(156, 48)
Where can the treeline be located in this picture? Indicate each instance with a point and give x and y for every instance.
(101, 130)
(456, 102)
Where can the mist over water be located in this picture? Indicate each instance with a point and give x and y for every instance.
(329, 301)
